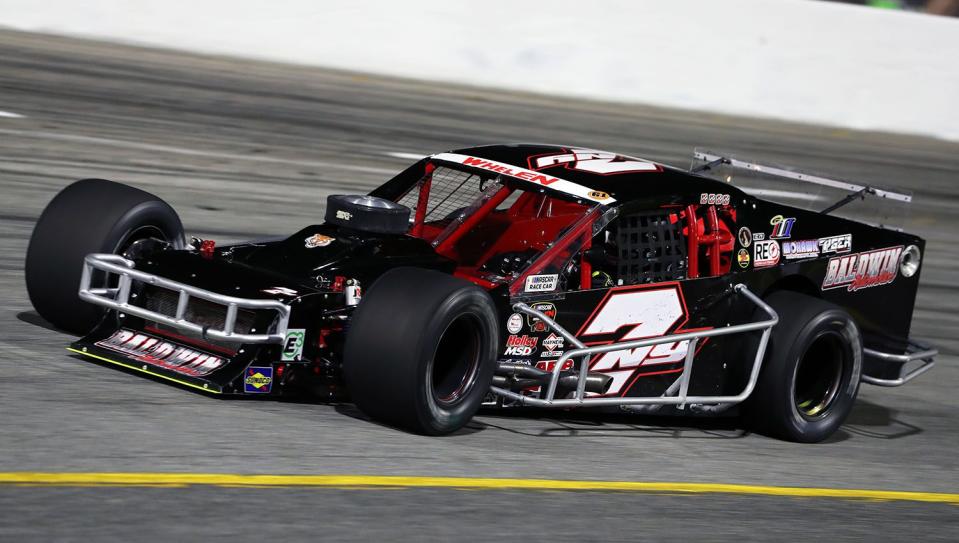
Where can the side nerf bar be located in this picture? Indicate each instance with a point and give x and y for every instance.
(119, 299)
(681, 399)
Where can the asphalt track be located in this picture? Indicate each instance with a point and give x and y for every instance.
(244, 149)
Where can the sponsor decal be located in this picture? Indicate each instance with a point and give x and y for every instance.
(592, 161)
(707, 198)
(598, 195)
(539, 178)
(807, 248)
(318, 240)
(258, 379)
(759, 236)
(343, 215)
(541, 283)
(743, 258)
(546, 308)
(634, 313)
(863, 270)
(766, 253)
(162, 353)
(514, 323)
(836, 244)
(745, 237)
(293, 345)
(279, 290)
(782, 227)
(520, 345)
(552, 346)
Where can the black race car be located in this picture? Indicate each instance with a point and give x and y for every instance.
(503, 275)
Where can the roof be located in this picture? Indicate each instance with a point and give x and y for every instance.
(623, 178)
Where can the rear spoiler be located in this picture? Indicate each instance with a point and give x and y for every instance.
(712, 160)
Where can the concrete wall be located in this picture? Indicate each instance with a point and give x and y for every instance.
(798, 60)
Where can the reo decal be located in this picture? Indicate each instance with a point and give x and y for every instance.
(800, 249)
(160, 352)
(782, 227)
(546, 308)
(293, 345)
(836, 244)
(318, 240)
(766, 253)
(863, 270)
(541, 283)
(520, 345)
(634, 313)
(258, 379)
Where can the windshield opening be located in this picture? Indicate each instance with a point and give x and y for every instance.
(493, 226)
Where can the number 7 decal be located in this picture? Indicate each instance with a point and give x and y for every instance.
(630, 314)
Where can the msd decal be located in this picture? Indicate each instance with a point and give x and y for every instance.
(636, 313)
(520, 345)
(592, 161)
(863, 270)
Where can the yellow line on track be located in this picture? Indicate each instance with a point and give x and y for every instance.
(389, 481)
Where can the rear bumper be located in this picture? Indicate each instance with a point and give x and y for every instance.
(896, 369)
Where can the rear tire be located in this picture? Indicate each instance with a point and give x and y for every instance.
(810, 376)
(89, 216)
(421, 351)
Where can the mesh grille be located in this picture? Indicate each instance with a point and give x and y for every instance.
(650, 249)
(450, 192)
(202, 312)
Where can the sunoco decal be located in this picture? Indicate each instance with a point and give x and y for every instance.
(863, 270)
(162, 353)
(541, 283)
(258, 379)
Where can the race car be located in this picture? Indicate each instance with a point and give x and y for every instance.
(503, 275)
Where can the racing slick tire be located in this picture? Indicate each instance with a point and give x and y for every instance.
(88, 216)
(421, 351)
(810, 375)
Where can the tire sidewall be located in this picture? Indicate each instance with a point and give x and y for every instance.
(441, 417)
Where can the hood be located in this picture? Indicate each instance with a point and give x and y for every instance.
(306, 262)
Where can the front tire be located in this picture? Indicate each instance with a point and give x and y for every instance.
(89, 216)
(810, 377)
(421, 351)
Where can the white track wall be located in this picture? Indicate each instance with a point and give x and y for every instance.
(799, 60)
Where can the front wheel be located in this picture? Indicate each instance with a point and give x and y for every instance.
(810, 377)
(421, 351)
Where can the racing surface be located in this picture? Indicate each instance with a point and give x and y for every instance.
(244, 149)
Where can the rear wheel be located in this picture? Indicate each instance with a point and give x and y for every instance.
(89, 216)
(421, 351)
(810, 376)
